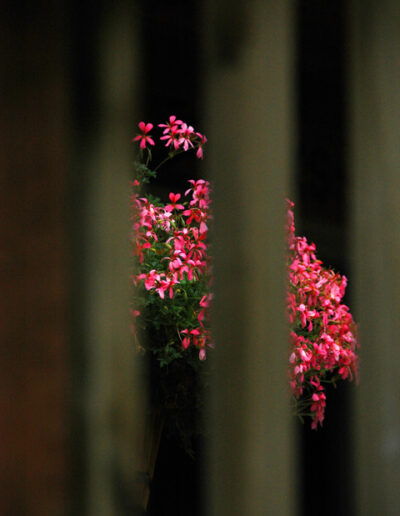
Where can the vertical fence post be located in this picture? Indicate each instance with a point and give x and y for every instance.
(113, 396)
(375, 199)
(250, 117)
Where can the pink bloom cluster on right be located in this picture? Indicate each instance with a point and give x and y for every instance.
(323, 335)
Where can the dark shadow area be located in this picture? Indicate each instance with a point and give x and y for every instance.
(326, 485)
(172, 86)
(175, 489)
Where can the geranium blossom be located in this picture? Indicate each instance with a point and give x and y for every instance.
(323, 334)
(173, 137)
(172, 250)
(203, 141)
(181, 254)
(174, 198)
(144, 137)
(182, 137)
(172, 123)
(174, 279)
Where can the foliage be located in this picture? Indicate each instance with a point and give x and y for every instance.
(172, 283)
(172, 294)
(323, 335)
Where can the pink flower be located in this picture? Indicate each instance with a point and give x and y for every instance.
(174, 198)
(144, 138)
(200, 193)
(173, 137)
(172, 123)
(203, 141)
(167, 284)
(323, 334)
(150, 279)
(187, 134)
(191, 336)
(205, 304)
(139, 249)
(173, 246)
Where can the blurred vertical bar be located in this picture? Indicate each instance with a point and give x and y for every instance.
(375, 198)
(113, 398)
(34, 261)
(250, 118)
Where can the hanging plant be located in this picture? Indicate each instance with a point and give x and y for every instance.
(173, 294)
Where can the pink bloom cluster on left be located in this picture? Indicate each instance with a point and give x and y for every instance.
(177, 135)
(174, 235)
(144, 137)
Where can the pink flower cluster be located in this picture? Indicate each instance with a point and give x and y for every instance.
(171, 240)
(323, 334)
(174, 277)
(177, 135)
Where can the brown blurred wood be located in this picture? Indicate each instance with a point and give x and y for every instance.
(33, 264)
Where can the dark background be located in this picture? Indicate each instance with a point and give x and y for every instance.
(322, 160)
